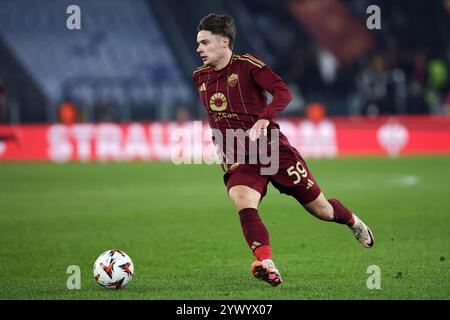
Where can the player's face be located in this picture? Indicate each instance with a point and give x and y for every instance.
(211, 47)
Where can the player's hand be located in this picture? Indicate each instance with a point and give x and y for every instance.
(219, 153)
(259, 126)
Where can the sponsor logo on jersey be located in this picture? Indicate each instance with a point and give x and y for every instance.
(218, 102)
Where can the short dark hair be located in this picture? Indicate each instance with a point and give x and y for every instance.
(219, 24)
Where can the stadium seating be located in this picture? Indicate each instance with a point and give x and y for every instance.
(119, 53)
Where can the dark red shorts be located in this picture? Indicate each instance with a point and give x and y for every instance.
(293, 177)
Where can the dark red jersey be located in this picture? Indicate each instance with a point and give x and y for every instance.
(234, 97)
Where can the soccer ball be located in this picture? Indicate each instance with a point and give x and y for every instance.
(113, 269)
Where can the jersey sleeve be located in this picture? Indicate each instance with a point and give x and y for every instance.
(268, 80)
(196, 75)
(195, 78)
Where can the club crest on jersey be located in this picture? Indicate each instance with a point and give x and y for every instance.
(218, 102)
(232, 79)
(202, 87)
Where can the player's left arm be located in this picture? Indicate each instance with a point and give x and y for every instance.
(268, 80)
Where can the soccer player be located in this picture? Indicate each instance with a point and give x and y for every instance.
(232, 89)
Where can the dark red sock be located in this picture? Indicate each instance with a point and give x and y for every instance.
(341, 214)
(263, 252)
(256, 234)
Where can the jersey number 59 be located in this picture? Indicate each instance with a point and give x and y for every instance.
(298, 171)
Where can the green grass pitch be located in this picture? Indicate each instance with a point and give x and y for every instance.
(181, 230)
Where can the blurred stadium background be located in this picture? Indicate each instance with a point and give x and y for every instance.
(116, 90)
(132, 62)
